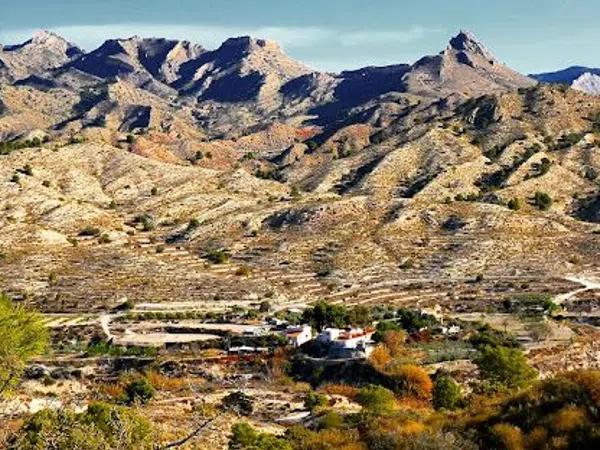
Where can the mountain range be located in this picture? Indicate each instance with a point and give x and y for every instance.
(455, 163)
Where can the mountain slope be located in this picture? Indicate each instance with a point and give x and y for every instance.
(466, 67)
(43, 52)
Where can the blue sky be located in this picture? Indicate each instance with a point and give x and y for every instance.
(529, 35)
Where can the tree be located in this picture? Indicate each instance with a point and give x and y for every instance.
(324, 315)
(505, 366)
(385, 326)
(22, 336)
(101, 426)
(360, 316)
(446, 392)
(395, 341)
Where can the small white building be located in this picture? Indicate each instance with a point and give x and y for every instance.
(350, 343)
(297, 336)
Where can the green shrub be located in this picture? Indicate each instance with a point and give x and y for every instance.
(314, 400)
(219, 256)
(505, 366)
(542, 200)
(446, 392)
(244, 437)
(376, 399)
(514, 204)
(139, 391)
(22, 336)
(101, 426)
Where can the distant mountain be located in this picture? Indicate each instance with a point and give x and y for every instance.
(582, 78)
(588, 83)
(247, 84)
(240, 70)
(43, 52)
(566, 76)
(465, 67)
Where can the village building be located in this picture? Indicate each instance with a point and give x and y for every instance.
(348, 343)
(297, 336)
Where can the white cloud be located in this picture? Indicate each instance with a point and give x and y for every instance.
(385, 36)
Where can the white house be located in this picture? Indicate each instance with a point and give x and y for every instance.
(350, 343)
(297, 336)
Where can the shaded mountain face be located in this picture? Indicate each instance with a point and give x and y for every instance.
(43, 52)
(159, 58)
(240, 70)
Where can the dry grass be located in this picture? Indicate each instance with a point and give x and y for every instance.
(344, 390)
(165, 383)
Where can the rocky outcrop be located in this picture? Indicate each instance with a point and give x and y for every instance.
(588, 83)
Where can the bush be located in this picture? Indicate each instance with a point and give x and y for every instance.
(506, 436)
(193, 224)
(89, 231)
(542, 200)
(314, 400)
(488, 336)
(412, 381)
(505, 366)
(244, 437)
(385, 326)
(139, 391)
(514, 204)
(243, 271)
(413, 321)
(376, 399)
(101, 426)
(446, 392)
(238, 403)
(220, 256)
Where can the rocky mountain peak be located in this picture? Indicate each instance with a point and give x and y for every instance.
(249, 43)
(465, 41)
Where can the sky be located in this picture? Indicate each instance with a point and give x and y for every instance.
(529, 35)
